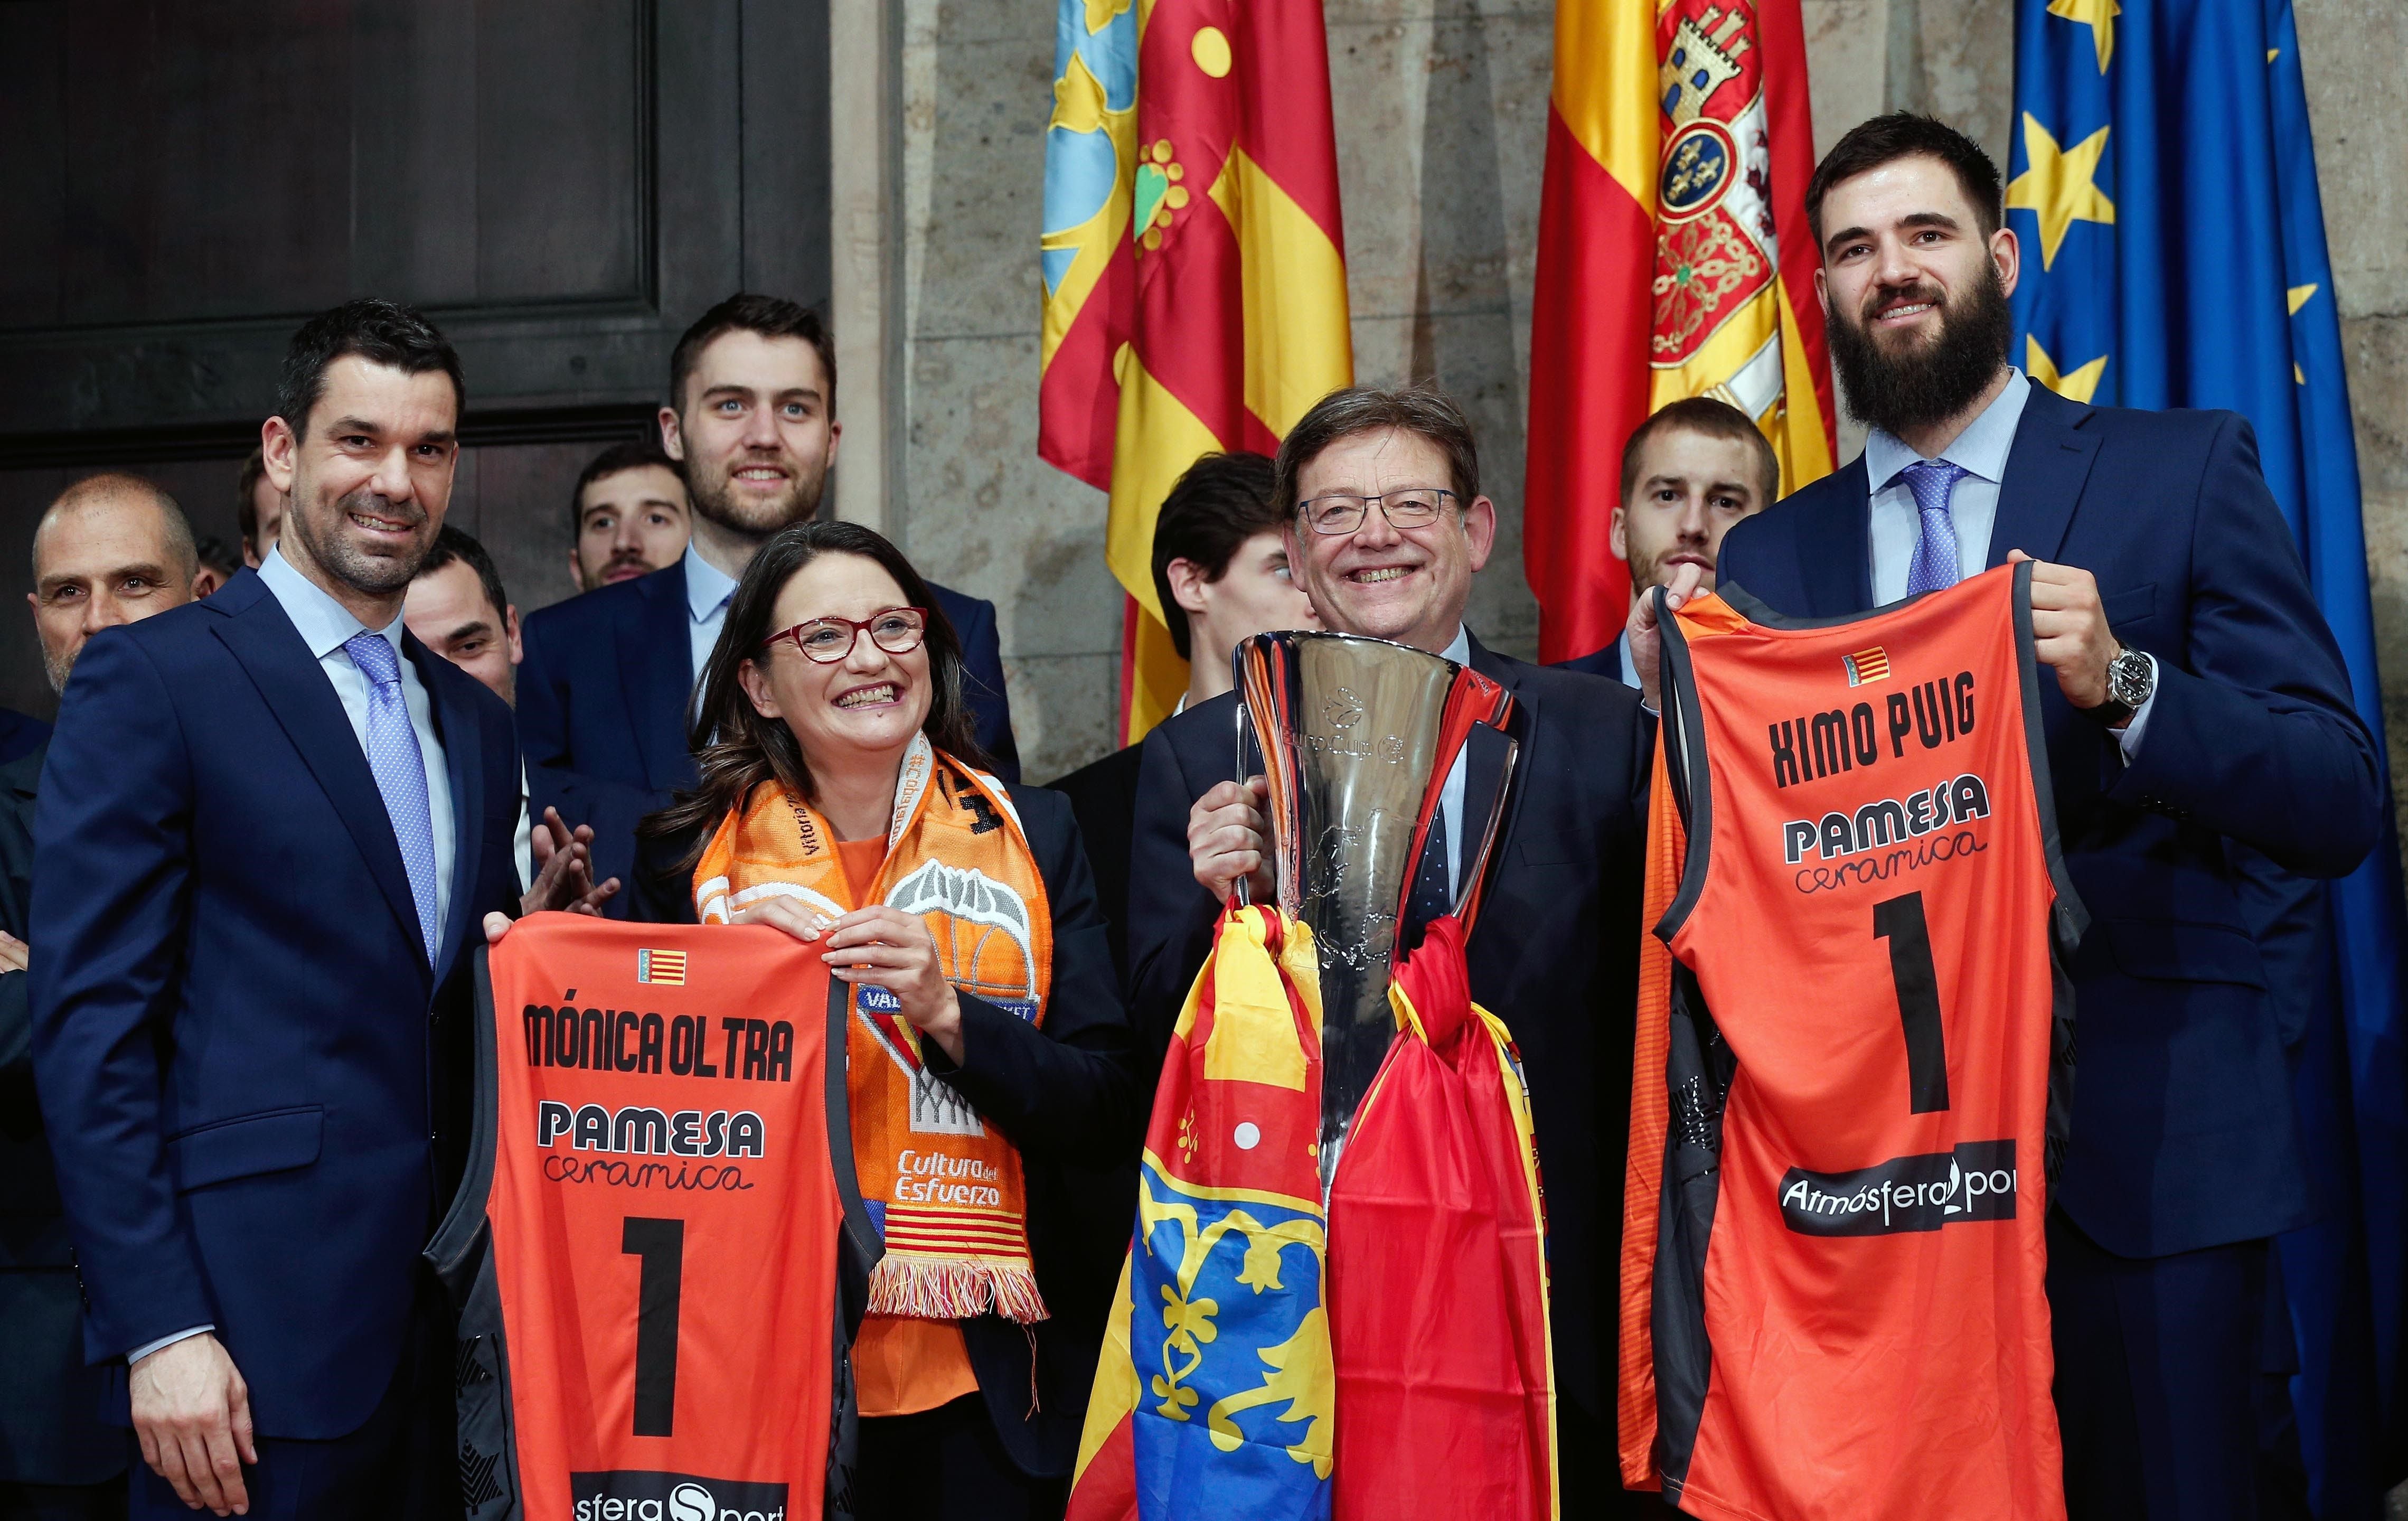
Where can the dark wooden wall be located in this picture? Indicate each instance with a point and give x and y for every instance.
(562, 184)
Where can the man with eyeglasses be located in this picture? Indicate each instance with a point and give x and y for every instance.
(1386, 527)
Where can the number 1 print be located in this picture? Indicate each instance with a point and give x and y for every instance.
(1899, 921)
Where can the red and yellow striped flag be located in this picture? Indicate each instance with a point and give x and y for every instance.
(1674, 260)
(1195, 264)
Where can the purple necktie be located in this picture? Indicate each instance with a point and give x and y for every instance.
(400, 769)
(1936, 565)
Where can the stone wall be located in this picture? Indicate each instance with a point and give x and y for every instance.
(1442, 122)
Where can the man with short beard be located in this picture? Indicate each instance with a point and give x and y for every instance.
(268, 828)
(607, 687)
(2199, 706)
(1693, 469)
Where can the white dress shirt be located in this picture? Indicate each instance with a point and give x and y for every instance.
(325, 625)
(1981, 451)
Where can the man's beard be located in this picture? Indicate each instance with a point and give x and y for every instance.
(1931, 381)
(371, 575)
(1646, 570)
(715, 497)
(58, 667)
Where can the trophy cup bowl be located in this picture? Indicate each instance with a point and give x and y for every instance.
(1357, 737)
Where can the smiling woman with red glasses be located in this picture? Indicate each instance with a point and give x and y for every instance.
(991, 1072)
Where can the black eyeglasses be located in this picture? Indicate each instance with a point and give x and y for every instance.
(826, 640)
(1338, 513)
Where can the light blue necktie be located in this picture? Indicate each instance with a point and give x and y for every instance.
(1936, 565)
(400, 769)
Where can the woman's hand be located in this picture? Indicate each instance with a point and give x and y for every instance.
(895, 951)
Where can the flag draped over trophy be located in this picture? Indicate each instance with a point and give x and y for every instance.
(1193, 265)
(2164, 183)
(1674, 260)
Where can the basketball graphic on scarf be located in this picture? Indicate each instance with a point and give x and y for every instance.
(982, 930)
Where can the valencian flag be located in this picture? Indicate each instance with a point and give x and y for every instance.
(2164, 184)
(1194, 264)
(1674, 261)
(1215, 1392)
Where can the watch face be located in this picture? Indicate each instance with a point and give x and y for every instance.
(2128, 679)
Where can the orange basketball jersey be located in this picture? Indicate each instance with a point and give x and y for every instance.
(658, 1250)
(1867, 1065)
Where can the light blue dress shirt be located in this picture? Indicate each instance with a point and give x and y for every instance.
(1981, 451)
(324, 624)
(707, 589)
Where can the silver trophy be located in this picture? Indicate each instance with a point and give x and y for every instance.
(1355, 737)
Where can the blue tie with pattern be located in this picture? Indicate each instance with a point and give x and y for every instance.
(400, 769)
(1936, 565)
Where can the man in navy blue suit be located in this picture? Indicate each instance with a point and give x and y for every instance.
(269, 825)
(607, 684)
(2199, 707)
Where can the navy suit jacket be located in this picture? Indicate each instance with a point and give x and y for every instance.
(1554, 953)
(1606, 662)
(50, 1430)
(606, 680)
(612, 809)
(2183, 1131)
(253, 1084)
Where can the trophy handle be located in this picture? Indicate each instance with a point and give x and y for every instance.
(1245, 729)
(1475, 702)
(1474, 877)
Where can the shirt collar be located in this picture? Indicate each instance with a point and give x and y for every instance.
(1460, 650)
(324, 624)
(707, 587)
(1981, 450)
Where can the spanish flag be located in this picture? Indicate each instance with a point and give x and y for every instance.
(1674, 260)
(1194, 262)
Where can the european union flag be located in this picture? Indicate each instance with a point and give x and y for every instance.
(2164, 185)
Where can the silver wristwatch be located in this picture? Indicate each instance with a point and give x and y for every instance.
(2131, 677)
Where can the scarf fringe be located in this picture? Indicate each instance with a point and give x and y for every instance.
(950, 1288)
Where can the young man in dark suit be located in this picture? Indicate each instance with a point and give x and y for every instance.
(2199, 704)
(1221, 571)
(607, 687)
(1390, 482)
(1695, 467)
(113, 549)
(268, 827)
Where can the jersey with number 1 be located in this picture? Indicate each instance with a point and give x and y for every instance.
(659, 1244)
(1867, 1064)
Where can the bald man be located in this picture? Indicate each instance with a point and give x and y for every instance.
(112, 549)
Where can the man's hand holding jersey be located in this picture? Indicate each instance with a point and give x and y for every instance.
(2070, 632)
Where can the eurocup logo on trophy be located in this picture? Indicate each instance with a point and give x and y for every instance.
(1357, 738)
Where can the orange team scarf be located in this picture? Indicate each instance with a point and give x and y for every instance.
(945, 1189)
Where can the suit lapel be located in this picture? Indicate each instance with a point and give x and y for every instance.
(464, 763)
(1833, 558)
(2045, 471)
(271, 652)
(660, 645)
